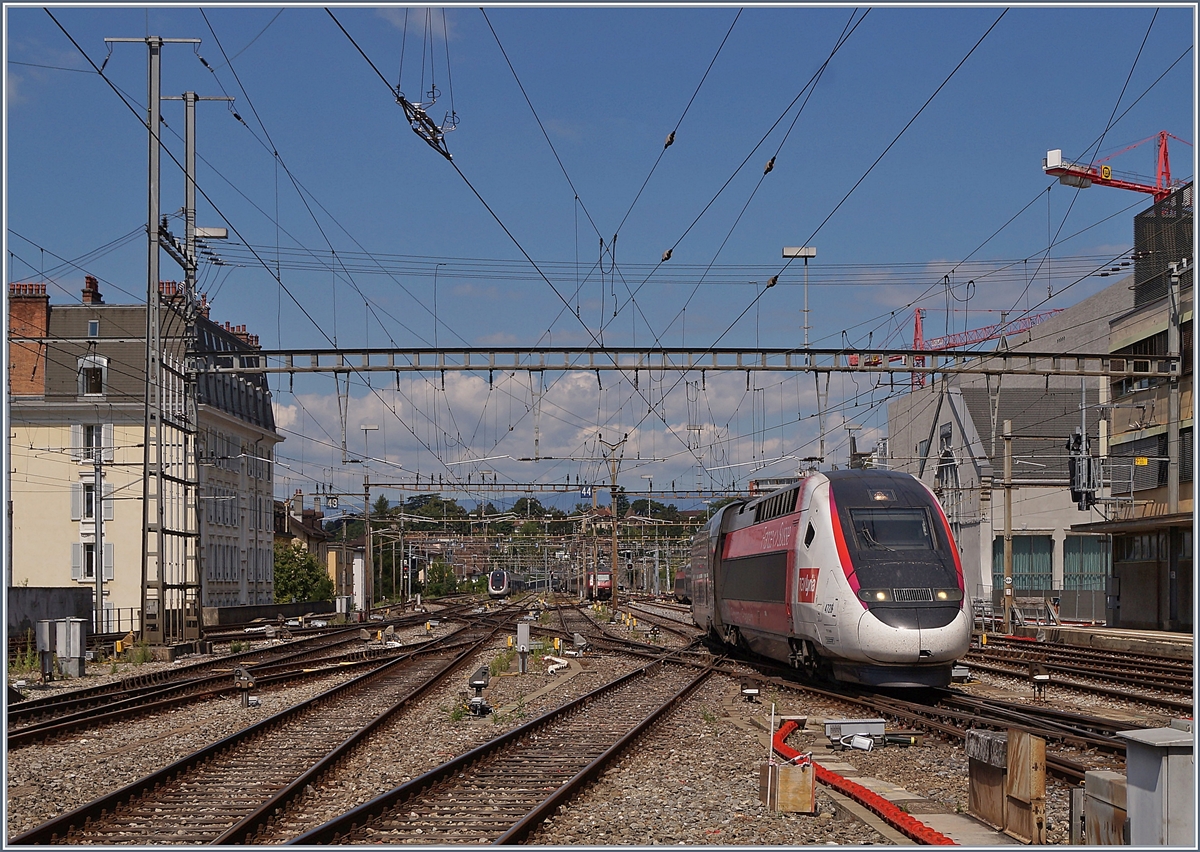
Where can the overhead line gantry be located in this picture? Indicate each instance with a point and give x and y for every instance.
(636, 360)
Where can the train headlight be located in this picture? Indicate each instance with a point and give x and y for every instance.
(948, 594)
(875, 595)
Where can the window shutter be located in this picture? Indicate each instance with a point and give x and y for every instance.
(76, 561)
(109, 502)
(76, 501)
(109, 564)
(76, 441)
(108, 434)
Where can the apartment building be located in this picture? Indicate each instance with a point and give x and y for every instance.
(77, 402)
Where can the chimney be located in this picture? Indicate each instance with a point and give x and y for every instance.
(28, 317)
(204, 308)
(91, 291)
(239, 331)
(298, 505)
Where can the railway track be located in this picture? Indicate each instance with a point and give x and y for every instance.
(327, 647)
(950, 714)
(608, 639)
(1177, 700)
(223, 788)
(1064, 651)
(204, 688)
(500, 791)
(666, 619)
(66, 711)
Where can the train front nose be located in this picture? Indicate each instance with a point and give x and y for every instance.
(913, 635)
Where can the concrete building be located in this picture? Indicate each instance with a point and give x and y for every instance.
(1151, 461)
(1128, 561)
(77, 395)
(950, 434)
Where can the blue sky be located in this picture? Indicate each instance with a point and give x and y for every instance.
(608, 85)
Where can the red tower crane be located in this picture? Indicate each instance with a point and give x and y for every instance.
(975, 335)
(968, 338)
(1099, 172)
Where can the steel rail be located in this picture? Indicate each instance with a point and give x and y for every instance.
(1064, 655)
(245, 830)
(140, 682)
(203, 689)
(335, 830)
(70, 707)
(1173, 704)
(55, 830)
(1058, 765)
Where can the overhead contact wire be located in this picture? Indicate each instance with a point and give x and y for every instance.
(671, 137)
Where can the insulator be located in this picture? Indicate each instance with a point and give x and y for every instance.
(770, 165)
(670, 140)
(666, 255)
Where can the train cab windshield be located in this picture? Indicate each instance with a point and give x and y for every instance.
(879, 529)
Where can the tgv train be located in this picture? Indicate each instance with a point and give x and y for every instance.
(851, 574)
(501, 584)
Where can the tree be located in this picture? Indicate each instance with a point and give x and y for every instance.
(298, 575)
(529, 507)
(380, 507)
(620, 502)
(440, 580)
(530, 528)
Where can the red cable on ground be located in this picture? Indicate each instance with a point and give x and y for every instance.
(889, 812)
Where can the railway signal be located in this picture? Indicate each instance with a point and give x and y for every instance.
(1083, 470)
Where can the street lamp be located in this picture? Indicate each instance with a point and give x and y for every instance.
(805, 252)
(369, 427)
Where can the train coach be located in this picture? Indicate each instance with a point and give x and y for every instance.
(848, 574)
(599, 586)
(501, 584)
(682, 587)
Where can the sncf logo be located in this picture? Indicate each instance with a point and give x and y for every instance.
(806, 586)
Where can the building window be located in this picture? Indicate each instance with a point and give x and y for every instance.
(93, 375)
(91, 440)
(83, 561)
(1086, 563)
(94, 328)
(84, 503)
(1032, 563)
(93, 437)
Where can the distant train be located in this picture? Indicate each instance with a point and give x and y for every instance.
(599, 586)
(683, 585)
(501, 584)
(851, 574)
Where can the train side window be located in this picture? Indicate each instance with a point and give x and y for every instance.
(809, 536)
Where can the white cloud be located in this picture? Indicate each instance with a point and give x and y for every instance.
(427, 423)
(13, 93)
